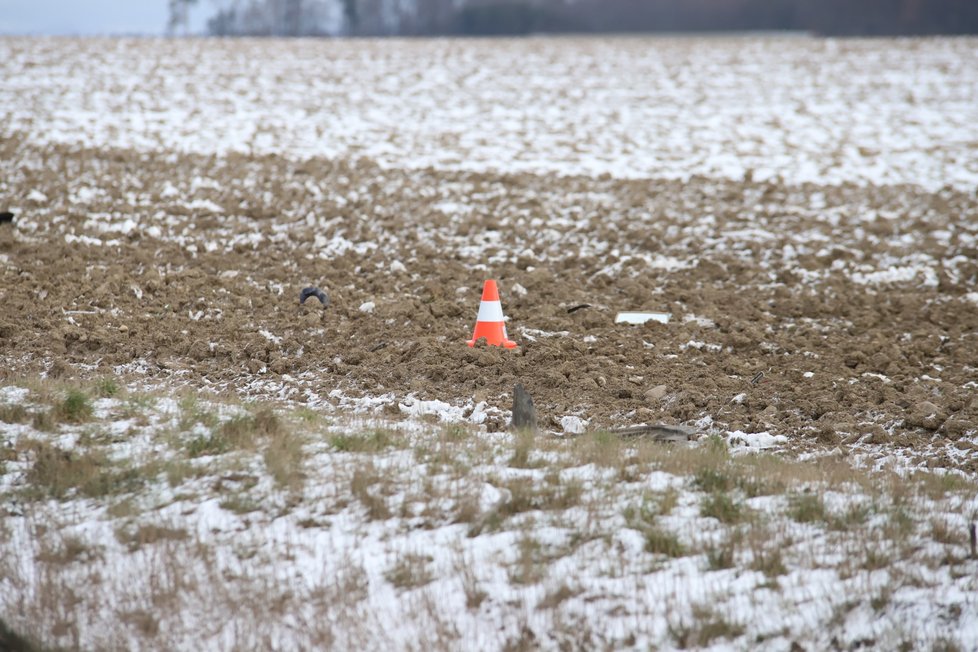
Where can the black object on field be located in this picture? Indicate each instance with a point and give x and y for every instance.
(524, 415)
(581, 306)
(6, 217)
(313, 292)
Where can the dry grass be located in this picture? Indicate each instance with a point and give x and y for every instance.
(807, 508)
(368, 486)
(55, 472)
(555, 597)
(724, 507)
(527, 495)
(723, 555)
(523, 445)
(530, 565)
(258, 452)
(285, 461)
(373, 441)
(69, 549)
(15, 413)
(471, 587)
(410, 571)
(135, 537)
(600, 448)
(703, 628)
(75, 408)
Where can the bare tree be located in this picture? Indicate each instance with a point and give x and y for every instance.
(292, 17)
(179, 20)
(276, 17)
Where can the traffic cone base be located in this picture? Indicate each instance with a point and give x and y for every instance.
(490, 323)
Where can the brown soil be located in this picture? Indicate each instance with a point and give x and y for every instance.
(74, 309)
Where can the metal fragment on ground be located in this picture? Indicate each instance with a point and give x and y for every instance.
(658, 432)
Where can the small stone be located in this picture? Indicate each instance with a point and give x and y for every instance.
(656, 393)
(926, 408)
(636, 380)
(926, 415)
(956, 428)
(123, 329)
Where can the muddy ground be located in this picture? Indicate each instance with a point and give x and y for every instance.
(833, 315)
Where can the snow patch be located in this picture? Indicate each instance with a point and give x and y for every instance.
(573, 425)
(740, 439)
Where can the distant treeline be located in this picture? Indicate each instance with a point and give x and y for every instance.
(515, 17)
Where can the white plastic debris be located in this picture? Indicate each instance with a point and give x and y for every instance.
(739, 438)
(572, 425)
(642, 317)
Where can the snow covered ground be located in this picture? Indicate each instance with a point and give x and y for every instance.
(394, 536)
(803, 109)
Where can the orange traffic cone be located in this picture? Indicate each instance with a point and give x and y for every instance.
(490, 324)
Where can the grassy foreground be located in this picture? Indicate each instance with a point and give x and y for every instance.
(159, 521)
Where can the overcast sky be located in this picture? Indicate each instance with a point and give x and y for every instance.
(90, 16)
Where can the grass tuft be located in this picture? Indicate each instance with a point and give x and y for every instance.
(527, 495)
(723, 555)
(522, 449)
(807, 508)
(240, 503)
(374, 441)
(712, 480)
(366, 485)
(284, 460)
(55, 472)
(660, 541)
(107, 388)
(705, 627)
(854, 516)
(75, 408)
(15, 413)
(600, 448)
(410, 571)
(724, 508)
